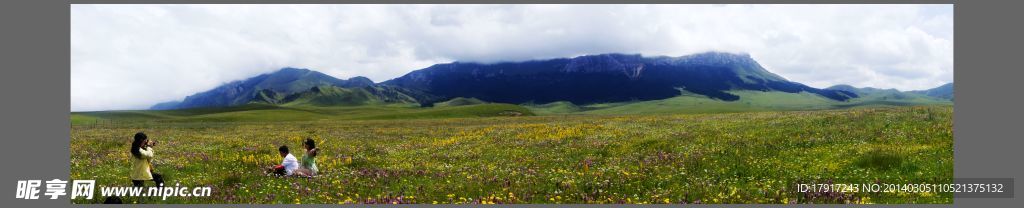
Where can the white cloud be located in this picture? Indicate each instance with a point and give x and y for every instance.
(133, 56)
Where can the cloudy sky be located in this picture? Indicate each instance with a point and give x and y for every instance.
(133, 56)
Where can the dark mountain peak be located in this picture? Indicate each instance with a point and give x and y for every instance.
(610, 57)
(744, 66)
(714, 58)
(291, 84)
(841, 86)
(847, 90)
(603, 78)
(721, 55)
(707, 58)
(265, 86)
(632, 65)
(359, 81)
(292, 70)
(289, 73)
(844, 87)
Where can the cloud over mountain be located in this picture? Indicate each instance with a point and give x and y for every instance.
(133, 56)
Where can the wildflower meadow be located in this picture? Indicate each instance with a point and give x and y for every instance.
(755, 157)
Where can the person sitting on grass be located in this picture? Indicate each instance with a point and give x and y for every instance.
(307, 166)
(288, 165)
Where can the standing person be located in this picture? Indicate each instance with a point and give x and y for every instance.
(307, 166)
(288, 164)
(142, 166)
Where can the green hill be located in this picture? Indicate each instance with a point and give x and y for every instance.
(264, 87)
(749, 101)
(692, 103)
(554, 108)
(459, 101)
(327, 95)
(942, 92)
(331, 96)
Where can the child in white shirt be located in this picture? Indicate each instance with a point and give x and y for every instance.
(288, 165)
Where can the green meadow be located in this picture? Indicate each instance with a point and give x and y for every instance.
(685, 149)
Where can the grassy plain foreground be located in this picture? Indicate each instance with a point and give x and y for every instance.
(753, 157)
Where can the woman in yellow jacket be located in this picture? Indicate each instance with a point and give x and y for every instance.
(142, 166)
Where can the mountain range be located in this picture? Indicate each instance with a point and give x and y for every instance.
(583, 80)
(944, 92)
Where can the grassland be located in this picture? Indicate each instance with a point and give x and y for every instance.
(750, 101)
(473, 154)
(274, 113)
(687, 103)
